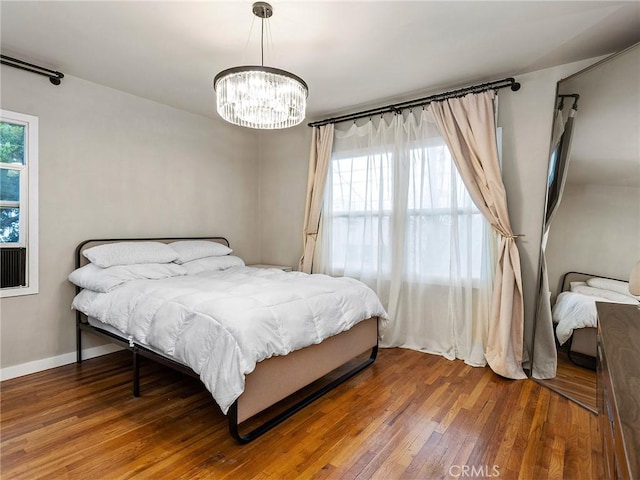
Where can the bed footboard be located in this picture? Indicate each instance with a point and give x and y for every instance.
(278, 377)
(234, 426)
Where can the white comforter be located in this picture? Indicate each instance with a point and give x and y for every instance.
(221, 324)
(575, 310)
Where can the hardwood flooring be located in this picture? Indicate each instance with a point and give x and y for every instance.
(409, 416)
(574, 382)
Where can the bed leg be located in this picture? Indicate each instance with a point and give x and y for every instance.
(136, 373)
(232, 414)
(78, 345)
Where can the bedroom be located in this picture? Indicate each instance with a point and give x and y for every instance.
(115, 161)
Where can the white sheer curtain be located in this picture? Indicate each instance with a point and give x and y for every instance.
(398, 217)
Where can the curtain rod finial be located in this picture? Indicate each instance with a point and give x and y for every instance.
(515, 87)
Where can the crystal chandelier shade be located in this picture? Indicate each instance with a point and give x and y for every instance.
(258, 96)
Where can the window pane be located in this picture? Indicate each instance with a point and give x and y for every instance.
(9, 185)
(444, 228)
(11, 143)
(439, 245)
(361, 243)
(9, 225)
(362, 184)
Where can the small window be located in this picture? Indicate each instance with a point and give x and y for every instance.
(18, 204)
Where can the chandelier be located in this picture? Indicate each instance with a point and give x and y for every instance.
(258, 96)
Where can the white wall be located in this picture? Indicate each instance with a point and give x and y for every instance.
(595, 230)
(116, 165)
(526, 117)
(283, 187)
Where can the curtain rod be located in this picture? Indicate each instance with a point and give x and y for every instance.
(54, 76)
(398, 107)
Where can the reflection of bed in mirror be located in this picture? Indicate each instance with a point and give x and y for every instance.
(593, 223)
(575, 316)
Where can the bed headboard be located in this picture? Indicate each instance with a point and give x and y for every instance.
(579, 277)
(81, 260)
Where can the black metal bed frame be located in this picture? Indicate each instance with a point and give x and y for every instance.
(82, 324)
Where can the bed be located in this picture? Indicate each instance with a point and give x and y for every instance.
(193, 337)
(575, 315)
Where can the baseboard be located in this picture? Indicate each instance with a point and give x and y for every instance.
(57, 361)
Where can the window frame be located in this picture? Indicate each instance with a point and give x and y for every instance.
(28, 203)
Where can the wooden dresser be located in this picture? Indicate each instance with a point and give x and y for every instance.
(619, 388)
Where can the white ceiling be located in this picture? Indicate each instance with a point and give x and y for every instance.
(349, 53)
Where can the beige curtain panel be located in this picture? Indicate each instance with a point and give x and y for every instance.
(319, 159)
(468, 126)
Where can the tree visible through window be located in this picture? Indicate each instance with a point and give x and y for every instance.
(12, 148)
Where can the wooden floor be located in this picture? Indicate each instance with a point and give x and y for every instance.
(409, 416)
(574, 382)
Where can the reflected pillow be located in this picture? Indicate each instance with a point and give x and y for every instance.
(103, 280)
(129, 253)
(577, 284)
(212, 264)
(613, 285)
(607, 294)
(188, 250)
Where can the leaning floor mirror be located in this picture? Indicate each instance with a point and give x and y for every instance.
(591, 231)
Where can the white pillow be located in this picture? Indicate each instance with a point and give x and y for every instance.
(129, 253)
(212, 264)
(103, 280)
(612, 285)
(188, 250)
(608, 294)
(576, 284)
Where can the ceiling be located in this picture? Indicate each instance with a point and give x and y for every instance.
(349, 53)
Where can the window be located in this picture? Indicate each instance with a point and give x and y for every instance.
(442, 220)
(18, 204)
(360, 203)
(359, 206)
